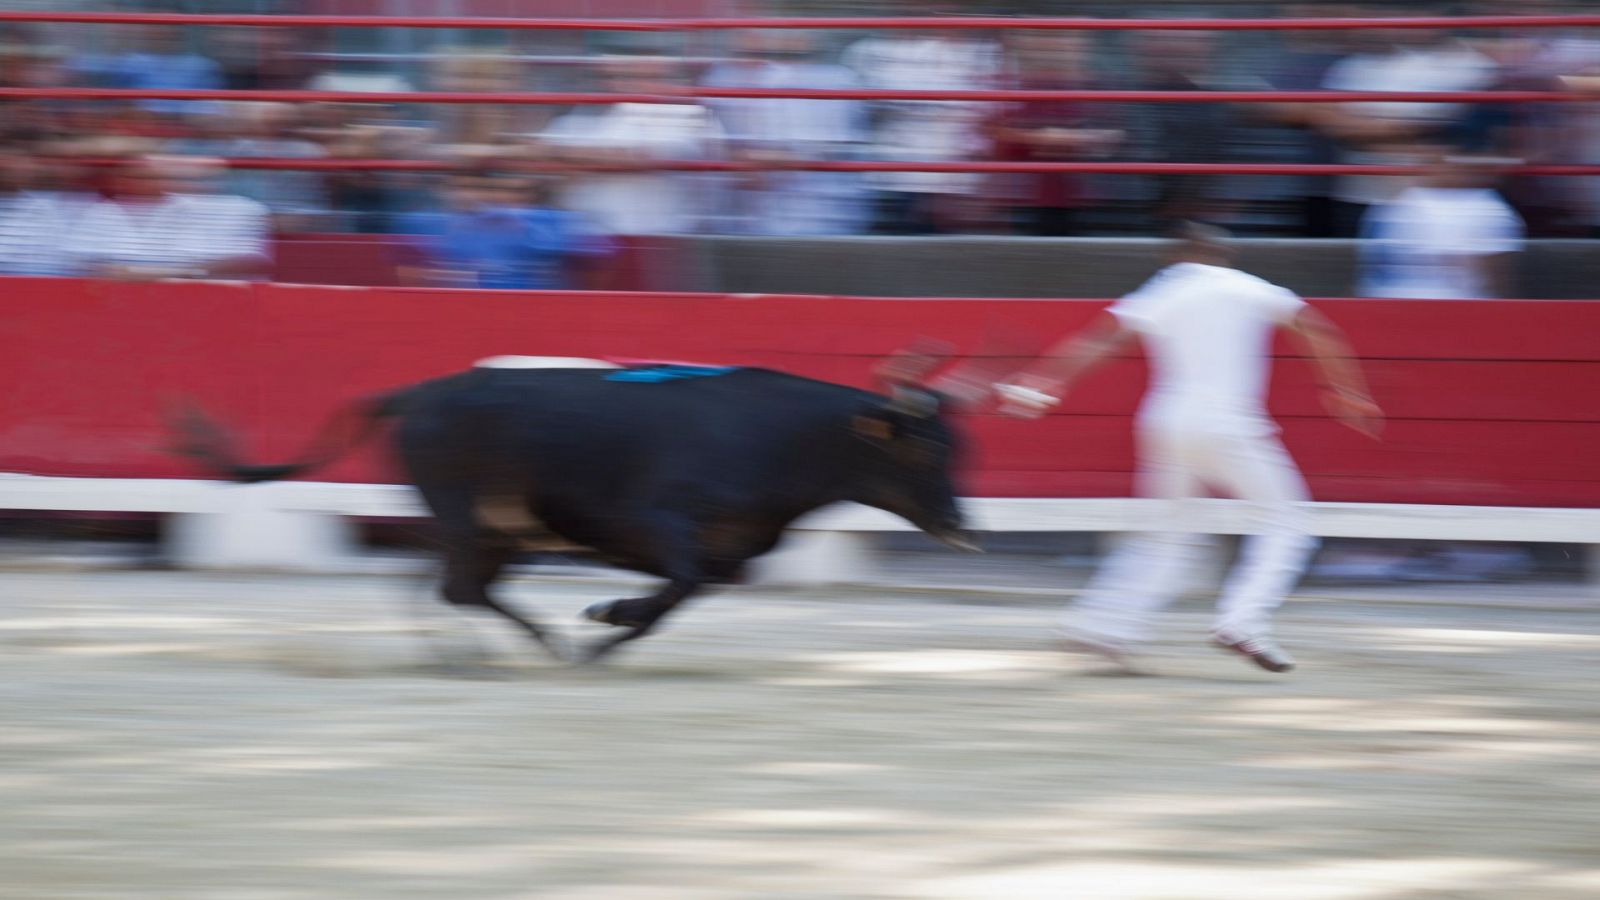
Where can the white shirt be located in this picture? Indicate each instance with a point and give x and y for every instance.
(791, 124)
(1207, 331)
(1426, 242)
(927, 129)
(1447, 67)
(178, 230)
(640, 202)
(792, 202)
(34, 229)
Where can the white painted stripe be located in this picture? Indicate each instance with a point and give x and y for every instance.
(1367, 520)
(543, 362)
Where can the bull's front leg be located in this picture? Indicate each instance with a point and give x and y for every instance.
(636, 617)
(673, 546)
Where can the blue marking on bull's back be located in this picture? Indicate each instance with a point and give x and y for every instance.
(656, 374)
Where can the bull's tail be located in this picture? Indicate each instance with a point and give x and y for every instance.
(199, 437)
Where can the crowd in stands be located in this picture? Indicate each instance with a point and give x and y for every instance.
(537, 193)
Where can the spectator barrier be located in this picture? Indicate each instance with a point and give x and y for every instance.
(1484, 396)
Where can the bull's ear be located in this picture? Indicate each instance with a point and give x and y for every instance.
(873, 427)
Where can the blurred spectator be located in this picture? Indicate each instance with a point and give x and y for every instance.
(249, 130)
(262, 59)
(492, 236)
(1047, 204)
(368, 201)
(926, 130)
(35, 220)
(27, 59)
(159, 58)
(1450, 237)
(1556, 59)
(619, 144)
(475, 131)
(1180, 132)
(1535, 133)
(1383, 133)
(163, 221)
(768, 131)
(1303, 65)
(1587, 143)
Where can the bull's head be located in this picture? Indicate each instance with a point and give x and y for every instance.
(912, 448)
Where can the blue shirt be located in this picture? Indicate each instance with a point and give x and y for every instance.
(508, 249)
(153, 71)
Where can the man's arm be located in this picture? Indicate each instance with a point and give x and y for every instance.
(1344, 388)
(1031, 392)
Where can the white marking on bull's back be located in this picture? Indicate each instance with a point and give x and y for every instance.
(542, 362)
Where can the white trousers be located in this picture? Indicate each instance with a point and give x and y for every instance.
(1178, 464)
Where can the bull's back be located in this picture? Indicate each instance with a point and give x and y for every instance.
(578, 432)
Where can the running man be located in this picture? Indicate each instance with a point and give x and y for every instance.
(1207, 328)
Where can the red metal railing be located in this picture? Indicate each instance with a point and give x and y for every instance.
(942, 23)
(947, 23)
(565, 98)
(696, 165)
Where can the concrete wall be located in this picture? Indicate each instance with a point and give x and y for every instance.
(980, 266)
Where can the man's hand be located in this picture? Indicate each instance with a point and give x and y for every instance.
(1356, 410)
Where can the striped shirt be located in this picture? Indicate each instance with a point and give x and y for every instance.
(178, 231)
(34, 229)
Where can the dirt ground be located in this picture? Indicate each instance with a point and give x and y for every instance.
(186, 737)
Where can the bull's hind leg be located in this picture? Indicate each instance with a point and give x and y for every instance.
(471, 566)
(473, 559)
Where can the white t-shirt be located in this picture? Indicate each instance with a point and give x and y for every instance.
(927, 129)
(34, 230)
(1425, 243)
(640, 202)
(1446, 67)
(177, 230)
(1207, 331)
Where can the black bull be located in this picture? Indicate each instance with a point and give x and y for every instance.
(685, 479)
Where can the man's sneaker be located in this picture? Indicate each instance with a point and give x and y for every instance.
(1259, 650)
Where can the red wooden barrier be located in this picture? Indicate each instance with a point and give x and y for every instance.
(1492, 402)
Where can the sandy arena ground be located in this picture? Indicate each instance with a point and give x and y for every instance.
(183, 737)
